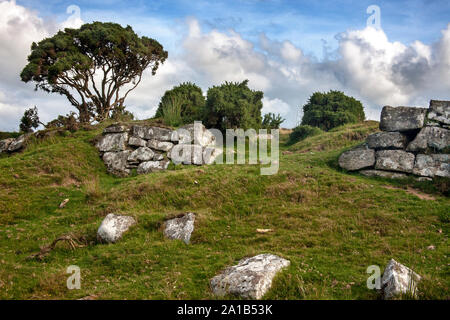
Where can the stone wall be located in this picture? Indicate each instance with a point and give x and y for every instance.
(150, 148)
(412, 141)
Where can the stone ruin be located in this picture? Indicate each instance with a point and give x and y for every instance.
(413, 141)
(150, 148)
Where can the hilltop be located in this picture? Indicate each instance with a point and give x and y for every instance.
(330, 224)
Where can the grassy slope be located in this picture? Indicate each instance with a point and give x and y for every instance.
(330, 224)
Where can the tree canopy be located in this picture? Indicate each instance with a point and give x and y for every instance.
(332, 109)
(190, 98)
(95, 66)
(233, 105)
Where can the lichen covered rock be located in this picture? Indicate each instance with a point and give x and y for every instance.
(113, 227)
(251, 278)
(357, 158)
(402, 118)
(398, 279)
(180, 228)
(394, 160)
(432, 165)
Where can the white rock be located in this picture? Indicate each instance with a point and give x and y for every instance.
(116, 162)
(151, 166)
(198, 135)
(113, 142)
(160, 145)
(137, 142)
(251, 278)
(398, 279)
(141, 154)
(113, 227)
(180, 228)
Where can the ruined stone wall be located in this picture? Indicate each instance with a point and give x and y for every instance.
(150, 148)
(412, 141)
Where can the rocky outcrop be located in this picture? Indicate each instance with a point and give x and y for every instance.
(251, 278)
(413, 141)
(397, 280)
(113, 227)
(180, 228)
(147, 149)
(11, 145)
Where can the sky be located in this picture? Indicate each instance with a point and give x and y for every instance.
(380, 52)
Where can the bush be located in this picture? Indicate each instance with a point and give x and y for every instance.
(190, 98)
(302, 132)
(69, 122)
(332, 109)
(233, 105)
(29, 121)
(272, 121)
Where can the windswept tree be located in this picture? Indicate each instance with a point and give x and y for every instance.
(95, 66)
(30, 120)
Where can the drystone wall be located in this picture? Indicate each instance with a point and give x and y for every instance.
(412, 141)
(149, 148)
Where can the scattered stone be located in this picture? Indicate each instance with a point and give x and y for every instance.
(141, 154)
(432, 165)
(160, 145)
(439, 113)
(402, 118)
(63, 204)
(394, 160)
(113, 227)
(357, 158)
(383, 174)
(180, 228)
(116, 162)
(431, 247)
(430, 137)
(398, 279)
(152, 166)
(137, 142)
(251, 278)
(386, 140)
(263, 230)
(113, 142)
(4, 144)
(115, 128)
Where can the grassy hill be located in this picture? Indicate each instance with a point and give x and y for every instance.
(330, 224)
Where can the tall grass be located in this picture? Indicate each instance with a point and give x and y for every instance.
(171, 109)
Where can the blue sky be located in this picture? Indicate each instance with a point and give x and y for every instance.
(288, 49)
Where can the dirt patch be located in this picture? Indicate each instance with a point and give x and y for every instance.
(415, 192)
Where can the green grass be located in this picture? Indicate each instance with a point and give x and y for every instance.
(330, 224)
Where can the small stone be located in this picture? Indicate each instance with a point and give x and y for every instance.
(432, 165)
(431, 247)
(137, 142)
(116, 162)
(113, 227)
(160, 145)
(152, 166)
(141, 154)
(383, 174)
(251, 278)
(158, 156)
(394, 160)
(357, 158)
(113, 142)
(115, 128)
(435, 138)
(63, 204)
(402, 118)
(398, 279)
(439, 112)
(180, 228)
(386, 140)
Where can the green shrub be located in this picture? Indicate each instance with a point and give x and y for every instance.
(332, 109)
(191, 100)
(302, 132)
(272, 121)
(233, 105)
